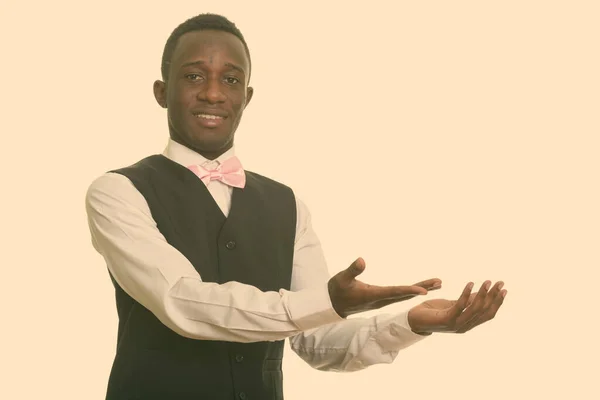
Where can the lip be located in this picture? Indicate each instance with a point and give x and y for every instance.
(218, 113)
(210, 123)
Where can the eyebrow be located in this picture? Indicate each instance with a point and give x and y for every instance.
(200, 62)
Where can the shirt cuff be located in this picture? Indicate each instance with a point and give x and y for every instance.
(312, 308)
(399, 335)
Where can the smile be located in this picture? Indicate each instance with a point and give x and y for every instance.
(208, 116)
(210, 121)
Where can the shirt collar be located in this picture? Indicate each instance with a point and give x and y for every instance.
(185, 156)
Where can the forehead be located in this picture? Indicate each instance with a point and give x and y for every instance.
(208, 44)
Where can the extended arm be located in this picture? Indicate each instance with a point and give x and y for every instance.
(159, 277)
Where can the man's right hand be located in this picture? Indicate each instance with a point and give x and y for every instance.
(350, 296)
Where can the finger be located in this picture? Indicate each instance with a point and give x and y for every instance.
(430, 284)
(393, 293)
(495, 291)
(354, 270)
(491, 298)
(493, 295)
(491, 310)
(474, 305)
(475, 309)
(472, 297)
(462, 301)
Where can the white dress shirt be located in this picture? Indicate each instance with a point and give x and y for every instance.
(160, 278)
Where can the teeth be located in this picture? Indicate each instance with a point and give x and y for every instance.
(208, 116)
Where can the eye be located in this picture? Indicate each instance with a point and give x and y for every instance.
(231, 80)
(193, 77)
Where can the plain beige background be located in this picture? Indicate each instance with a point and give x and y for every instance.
(463, 135)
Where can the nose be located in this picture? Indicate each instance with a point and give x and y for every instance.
(212, 92)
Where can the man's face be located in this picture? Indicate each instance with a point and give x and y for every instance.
(206, 91)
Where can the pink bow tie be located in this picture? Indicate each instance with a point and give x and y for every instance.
(229, 172)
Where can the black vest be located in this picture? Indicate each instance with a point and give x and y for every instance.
(253, 245)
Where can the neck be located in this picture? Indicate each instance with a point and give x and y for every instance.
(208, 154)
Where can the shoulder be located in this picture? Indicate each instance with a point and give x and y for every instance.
(121, 179)
(115, 188)
(146, 165)
(110, 188)
(117, 179)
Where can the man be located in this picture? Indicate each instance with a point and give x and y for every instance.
(214, 267)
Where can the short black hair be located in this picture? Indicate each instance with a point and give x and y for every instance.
(206, 21)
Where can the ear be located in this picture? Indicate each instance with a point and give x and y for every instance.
(160, 93)
(249, 94)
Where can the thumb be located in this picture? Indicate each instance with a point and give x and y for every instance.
(355, 269)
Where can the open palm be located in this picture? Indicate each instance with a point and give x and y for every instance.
(458, 316)
(350, 296)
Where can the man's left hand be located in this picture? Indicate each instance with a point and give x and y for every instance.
(458, 316)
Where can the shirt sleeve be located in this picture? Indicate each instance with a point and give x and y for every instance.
(351, 344)
(163, 280)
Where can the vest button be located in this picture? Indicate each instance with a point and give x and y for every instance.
(230, 245)
(239, 358)
(242, 395)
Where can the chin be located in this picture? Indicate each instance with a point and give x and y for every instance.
(211, 142)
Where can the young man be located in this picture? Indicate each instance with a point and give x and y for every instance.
(214, 267)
